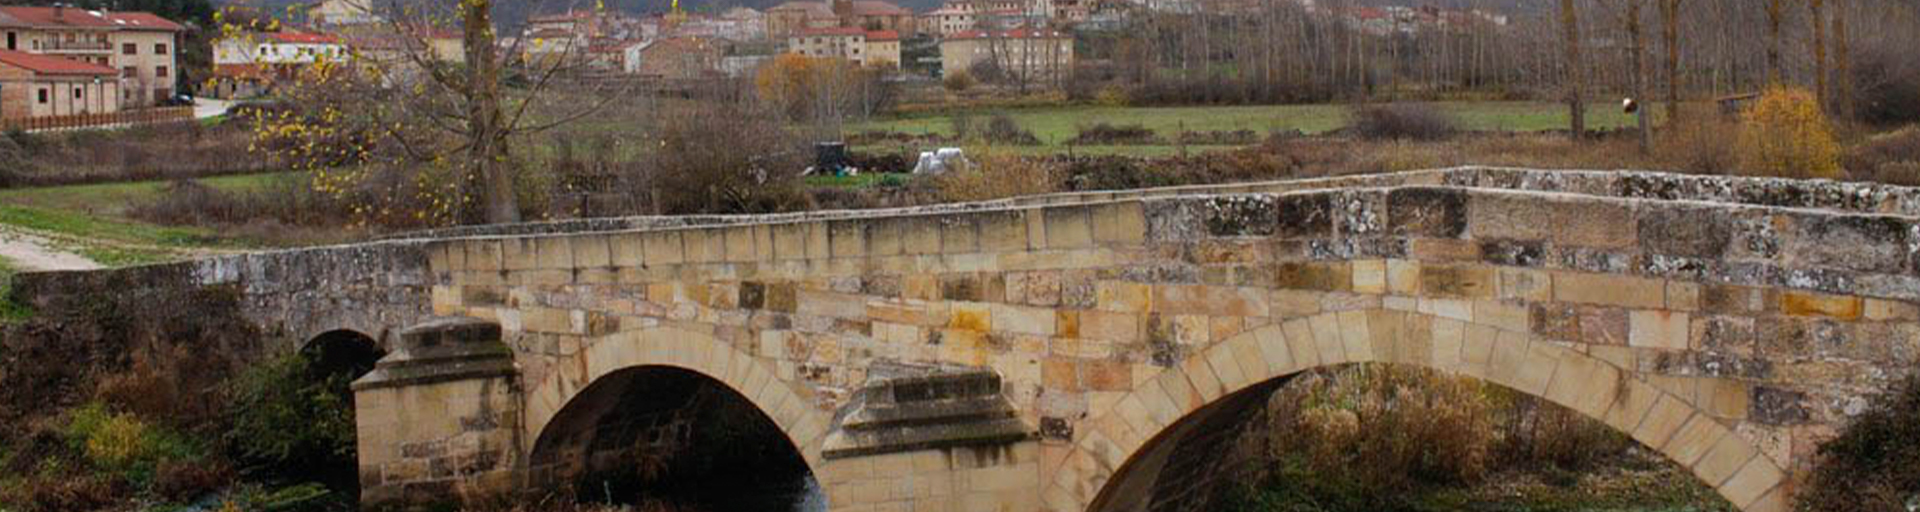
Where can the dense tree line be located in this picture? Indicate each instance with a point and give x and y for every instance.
(1281, 50)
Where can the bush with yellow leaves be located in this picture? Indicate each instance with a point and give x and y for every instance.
(1785, 134)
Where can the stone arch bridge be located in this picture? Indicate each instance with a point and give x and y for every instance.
(1074, 352)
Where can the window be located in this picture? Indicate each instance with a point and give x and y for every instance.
(160, 72)
(78, 93)
(160, 49)
(43, 96)
(129, 72)
(129, 49)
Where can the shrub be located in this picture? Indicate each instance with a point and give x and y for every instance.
(1105, 134)
(1697, 142)
(1888, 158)
(995, 176)
(1874, 463)
(290, 421)
(729, 158)
(1785, 134)
(958, 80)
(1002, 129)
(1415, 121)
(1112, 96)
(1440, 429)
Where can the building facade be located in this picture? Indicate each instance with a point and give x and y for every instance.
(140, 45)
(880, 48)
(1021, 54)
(791, 18)
(38, 85)
(250, 63)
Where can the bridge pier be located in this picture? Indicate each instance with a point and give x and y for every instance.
(440, 416)
(931, 437)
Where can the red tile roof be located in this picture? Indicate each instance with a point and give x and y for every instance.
(883, 35)
(834, 31)
(878, 8)
(50, 65)
(1018, 33)
(303, 38)
(84, 18)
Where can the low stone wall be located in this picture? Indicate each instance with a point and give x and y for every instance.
(291, 295)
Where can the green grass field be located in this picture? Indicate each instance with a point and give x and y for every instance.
(91, 219)
(1055, 125)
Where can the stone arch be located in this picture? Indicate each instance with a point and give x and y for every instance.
(1677, 428)
(751, 378)
(347, 349)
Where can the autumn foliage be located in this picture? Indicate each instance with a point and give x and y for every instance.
(1786, 134)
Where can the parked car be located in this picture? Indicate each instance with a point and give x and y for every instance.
(177, 100)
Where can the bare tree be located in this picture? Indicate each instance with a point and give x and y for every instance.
(1576, 74)
(1775, 11)
(1670, 32)
(1816, 9)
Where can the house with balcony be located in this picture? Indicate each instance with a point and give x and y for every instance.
(142, 46)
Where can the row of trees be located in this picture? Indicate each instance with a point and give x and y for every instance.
(1280, 50)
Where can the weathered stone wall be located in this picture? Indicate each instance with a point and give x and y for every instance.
(1731, 336)
(293, 296)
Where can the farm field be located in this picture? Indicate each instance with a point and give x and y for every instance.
(1054, 126)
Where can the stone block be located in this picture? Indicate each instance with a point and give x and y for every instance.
(703, 245)
(819, 241)
(1630, 405)
(1294, 303)
(1658, 329)
(847, 238)
(1753, 482)
(1123, 296)
(663, 247)
(1591, 222)
(1324, 276)
(739, 243)
(1503, 216)
(1525, 284)
(1207, 385)
(519, 254)
(921, 235)
(1209, 300)
(1427, 212)
(1726, 457)
(1458, 281)
(790, 241)
(1068, 227)
(1609, 290)
(1403, 277)
(1841, 307)
(1693, 439)
(1119, 223)
(1502, 315)
(1003, 231)
(484, 255)
(1683, 296)
(1369, 276)
(1724, 398)
(1356, 336)
(1685, 230)
(1023, 319)
(1110, 326)
(1303, 216)
(1881, 310)
(1662, 420)
(1326, 338)
(1302, 347)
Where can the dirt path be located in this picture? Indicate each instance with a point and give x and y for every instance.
(27, 252)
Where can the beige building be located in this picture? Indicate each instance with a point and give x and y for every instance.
(864, 47)
(140, 45)
(343, 12)
(35, 85)
(1022, 54)
(791, 18)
